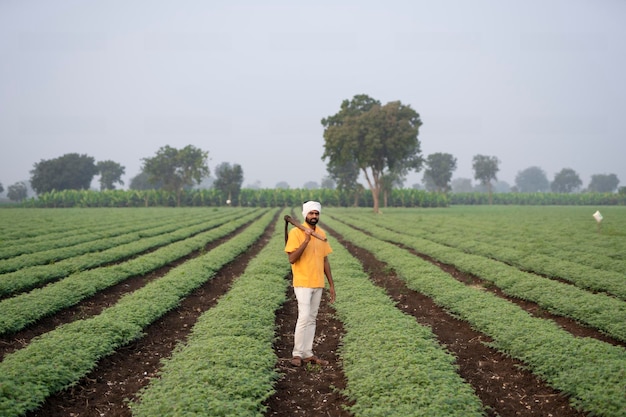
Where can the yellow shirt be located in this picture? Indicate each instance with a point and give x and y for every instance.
(308, 271)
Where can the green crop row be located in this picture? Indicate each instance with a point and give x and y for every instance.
(88, 231)
(565, 233)
(25, 224)
(226, 367)
(504, 245)
(605, 313)
(538, 199)
(27, 278)
(580, 275)
(98, 244)
(591, 372)
(59, 358)
(405, 197)
(22, 310)
(246, 198)
(394, 366)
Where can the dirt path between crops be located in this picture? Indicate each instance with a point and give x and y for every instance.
(503, 386)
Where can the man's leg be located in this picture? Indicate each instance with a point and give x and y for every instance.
(309, 332)
(308, 306)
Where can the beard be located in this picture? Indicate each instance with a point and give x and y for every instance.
(312, 221)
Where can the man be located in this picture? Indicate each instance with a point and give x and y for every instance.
(309, 264)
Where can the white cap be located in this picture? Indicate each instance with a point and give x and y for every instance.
(310, 206)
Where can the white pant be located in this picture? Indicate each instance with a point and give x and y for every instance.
(308, 305)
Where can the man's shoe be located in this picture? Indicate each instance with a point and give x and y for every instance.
(315, 360)
(296, 361)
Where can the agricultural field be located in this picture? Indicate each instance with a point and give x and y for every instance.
(459, 311)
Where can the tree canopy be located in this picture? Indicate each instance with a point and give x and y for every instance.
(228, 181)
(603, 183)
(486, 170)
(438, 172)
(68, 172)
(176, 169)
(566, 181)
(110, 173)
(18, 191)
(378, 139)
(532, 180)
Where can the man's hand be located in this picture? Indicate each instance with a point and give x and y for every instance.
(332, 294)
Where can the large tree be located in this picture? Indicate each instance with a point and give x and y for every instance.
(228, 180)
(603, 183)
(566, 181)
(486, 170)
(68, 172)
(176, 169)
(532, 180)
(18, 191)
(379, 139)
(110, 173)
(438, 172)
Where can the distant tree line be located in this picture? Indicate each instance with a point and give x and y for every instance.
(364, 139)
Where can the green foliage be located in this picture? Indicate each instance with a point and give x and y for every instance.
(566, 181)
(228, 181)
(110, 173)
(176, 169)
(590, 371)
(226, 367)
(211, 373)
(414, 376)
(378, 140)
(68, 172)
(538, 199)
(17, 192)
(60, 357)
(603, 183)
(23, 309)
(532, 180)
(141, 181)
(439, 169)
(486, 170)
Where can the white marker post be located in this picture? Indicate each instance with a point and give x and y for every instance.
(598, 218)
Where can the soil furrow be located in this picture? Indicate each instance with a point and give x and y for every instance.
(308, 391)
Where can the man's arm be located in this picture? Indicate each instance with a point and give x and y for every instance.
(296, 254)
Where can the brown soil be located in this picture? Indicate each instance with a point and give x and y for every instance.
(503, 385)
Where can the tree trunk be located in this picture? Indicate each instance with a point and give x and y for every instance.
(376, 198)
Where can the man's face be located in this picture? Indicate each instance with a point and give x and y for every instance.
(312, 217)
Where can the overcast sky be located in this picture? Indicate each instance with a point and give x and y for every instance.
(532, 82)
